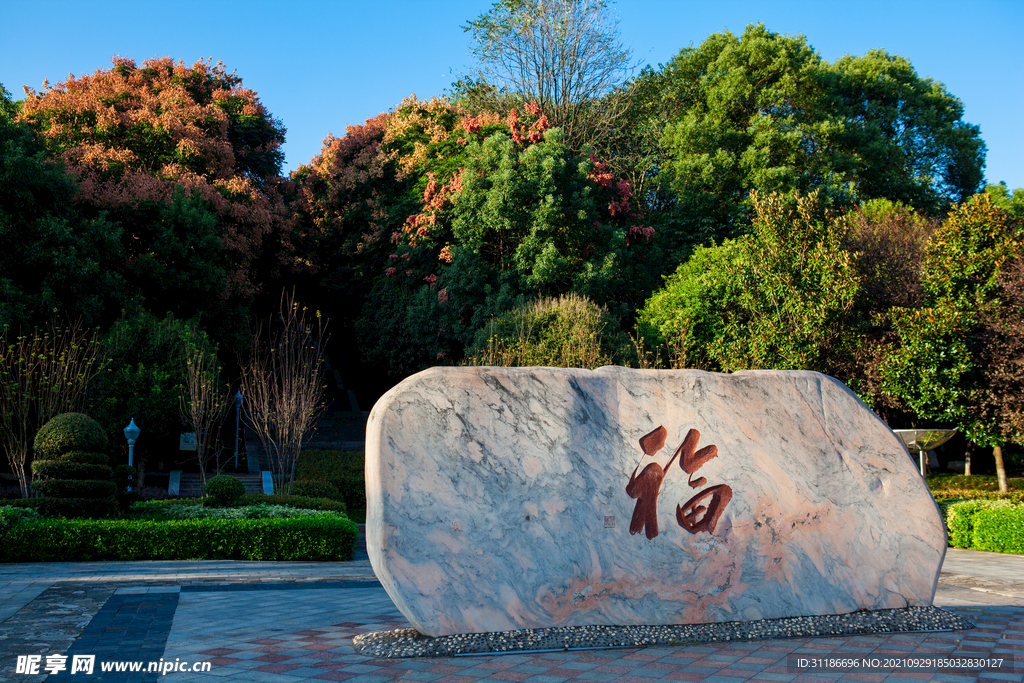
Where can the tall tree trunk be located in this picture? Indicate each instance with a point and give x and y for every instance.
(997, 452)
(967, 460)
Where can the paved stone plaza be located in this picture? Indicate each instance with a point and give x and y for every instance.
(279, 622)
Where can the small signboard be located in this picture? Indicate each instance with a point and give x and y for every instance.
(187, 441)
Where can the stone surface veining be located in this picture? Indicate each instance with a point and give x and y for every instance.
(497, 499)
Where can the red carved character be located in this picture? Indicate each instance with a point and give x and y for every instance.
(646, 487)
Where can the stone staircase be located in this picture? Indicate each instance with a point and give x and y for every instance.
(192, 486)
(341, 427)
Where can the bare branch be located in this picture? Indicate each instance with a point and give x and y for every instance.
(565, 54)
(42, 374)
(283, 383)
(203, 405)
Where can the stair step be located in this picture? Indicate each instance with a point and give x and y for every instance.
(191, 485)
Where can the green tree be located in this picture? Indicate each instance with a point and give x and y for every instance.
(489, 212)
(147, 371)
(684, 322)
(1011, 203)
(179, 265)
(1000, 341)
(904, 134)
(781, 297)
(798, 285)
(939, 367)
(890, 240)
(763, 111)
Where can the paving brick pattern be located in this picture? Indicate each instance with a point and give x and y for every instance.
(308, 642)
(131, 626)
(285, 622)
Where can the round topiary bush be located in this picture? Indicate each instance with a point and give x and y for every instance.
(76, 476)
(316, 489)
(224, 489)
(70, 432)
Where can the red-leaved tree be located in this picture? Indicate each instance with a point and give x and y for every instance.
(136, 137)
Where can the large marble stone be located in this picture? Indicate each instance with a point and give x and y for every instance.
(506, 498)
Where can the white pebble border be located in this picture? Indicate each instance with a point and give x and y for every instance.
(410, 643)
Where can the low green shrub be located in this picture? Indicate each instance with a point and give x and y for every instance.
(248, 500)
(68, 507)
(189, 510)
(70, 432)
(318, 538)
(965, 519)
(316, 489)
(10, 515)
(75, 488)
(224, 489)
(1000, 530)
(84, 457)
(157, 504)
(63, 469)
(293, 501)
(342, 469)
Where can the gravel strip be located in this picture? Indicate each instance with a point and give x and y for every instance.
(409, 642)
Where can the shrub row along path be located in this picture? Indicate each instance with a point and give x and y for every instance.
(280, 622)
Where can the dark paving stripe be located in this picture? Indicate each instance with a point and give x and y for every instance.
(282, 586)
(48, 624)
(127, 628)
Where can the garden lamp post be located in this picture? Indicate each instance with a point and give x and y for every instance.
(238, 411)
(131, 432)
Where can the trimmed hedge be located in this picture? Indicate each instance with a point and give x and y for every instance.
(318, 538)
(73, 469)
(993, 525)
(293, 501)
(954, 495)
(75, 488)
(68, 507)
(315, 489)
(70, 432)
(342, 469)
(83, 456)
(1000, 530)
(224, 489)
(63, 469)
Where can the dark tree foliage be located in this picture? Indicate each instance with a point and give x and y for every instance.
(147, 366)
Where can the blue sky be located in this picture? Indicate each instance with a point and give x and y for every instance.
(320, 65)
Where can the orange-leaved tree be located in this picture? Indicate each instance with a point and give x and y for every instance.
(140, 139)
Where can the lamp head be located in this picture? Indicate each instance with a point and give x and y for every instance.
(131, 432)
